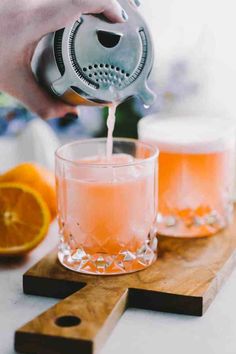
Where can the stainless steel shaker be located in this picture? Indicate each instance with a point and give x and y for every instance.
(96, 62)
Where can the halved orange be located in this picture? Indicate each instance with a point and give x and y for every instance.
(36, 177)
(24, 219)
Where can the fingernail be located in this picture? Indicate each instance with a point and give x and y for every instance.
(124, 15)
(137, 2)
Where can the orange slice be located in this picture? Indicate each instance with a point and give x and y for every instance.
(24, 219)
(36, 177)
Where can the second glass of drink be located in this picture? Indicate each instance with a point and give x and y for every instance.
(196, 173)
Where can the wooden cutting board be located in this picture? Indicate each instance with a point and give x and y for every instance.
(184, 280)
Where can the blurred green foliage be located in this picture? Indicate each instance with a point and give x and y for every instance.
(127, 118)
(7, 101)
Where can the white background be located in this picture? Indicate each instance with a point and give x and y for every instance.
(204, 31)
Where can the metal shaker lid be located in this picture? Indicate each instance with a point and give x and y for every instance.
(105, 62)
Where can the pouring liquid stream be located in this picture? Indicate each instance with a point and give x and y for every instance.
(111, 119)
(110, 125)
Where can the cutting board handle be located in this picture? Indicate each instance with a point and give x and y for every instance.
(79, 324)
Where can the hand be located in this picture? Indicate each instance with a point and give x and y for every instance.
(22, 24)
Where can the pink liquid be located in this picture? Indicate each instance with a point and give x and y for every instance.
(107, 211)
(196, 172)
(194, 192)
(110, 125)
(104, 213)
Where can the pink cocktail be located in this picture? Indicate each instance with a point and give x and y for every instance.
(107, 208)
(196, 173)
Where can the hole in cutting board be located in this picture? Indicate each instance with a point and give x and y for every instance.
(67, 321)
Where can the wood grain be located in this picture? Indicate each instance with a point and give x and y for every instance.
(97, 309)
(185, 279)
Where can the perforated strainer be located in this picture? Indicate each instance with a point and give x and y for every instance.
(97, 62)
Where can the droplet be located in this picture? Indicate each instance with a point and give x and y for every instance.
(146, 106)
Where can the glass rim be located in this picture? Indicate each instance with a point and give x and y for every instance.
(227, 124)
(212, 133)
(153, 149)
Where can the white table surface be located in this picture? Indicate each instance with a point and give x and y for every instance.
(138, 331)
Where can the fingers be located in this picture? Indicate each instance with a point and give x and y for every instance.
(109, 8)
(51, 15)
(26, 89)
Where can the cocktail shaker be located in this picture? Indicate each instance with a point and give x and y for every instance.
(96, 62)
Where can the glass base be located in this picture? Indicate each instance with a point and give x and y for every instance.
(189, 224)
(104, 264)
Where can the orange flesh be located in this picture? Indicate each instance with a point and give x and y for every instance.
(36, 177)
(24, 218)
